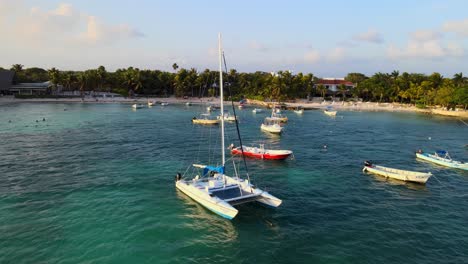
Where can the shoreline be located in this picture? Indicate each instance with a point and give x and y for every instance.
(307, 105)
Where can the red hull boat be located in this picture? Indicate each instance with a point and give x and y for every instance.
(262, 153)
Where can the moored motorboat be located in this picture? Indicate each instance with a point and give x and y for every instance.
(257, 110)
(188, 103)
(403, 175)
(227, 117)
(442, 157)
(272, 126)
(205, 119)
(299, 110)
(330, 112)
(261, 153)
(137, 106)
(164, 103)
(150, 103)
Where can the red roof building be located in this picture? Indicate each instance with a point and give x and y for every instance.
(332, 84)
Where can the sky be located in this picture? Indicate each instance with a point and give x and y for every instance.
(327, 38)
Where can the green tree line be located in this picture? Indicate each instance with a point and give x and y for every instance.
(414, 88)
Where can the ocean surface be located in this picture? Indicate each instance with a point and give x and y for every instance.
(94, 183)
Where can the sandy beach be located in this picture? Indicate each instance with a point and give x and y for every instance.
(307, 105)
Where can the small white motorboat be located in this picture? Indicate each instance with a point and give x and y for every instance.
(403, 175)
(227, 117)
(330, 112)
(164, 103)
(257, 110)
(137, 106)
(443, 158)
(271, 126)
(188, 103)
(151, 103)
(299, 110)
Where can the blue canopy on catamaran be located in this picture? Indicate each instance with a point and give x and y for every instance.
(219, 169)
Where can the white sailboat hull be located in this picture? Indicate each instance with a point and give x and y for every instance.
(402, 175)
(213, 204)
(213, 194)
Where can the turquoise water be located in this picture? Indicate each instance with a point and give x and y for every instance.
(94, 184)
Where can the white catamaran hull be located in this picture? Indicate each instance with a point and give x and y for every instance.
(442, 161)
(201, 193)
(213, 204)
(402, 175)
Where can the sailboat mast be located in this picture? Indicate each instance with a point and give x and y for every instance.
(221, 99)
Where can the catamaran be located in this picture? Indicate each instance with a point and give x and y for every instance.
(214, 189)
(443, 158)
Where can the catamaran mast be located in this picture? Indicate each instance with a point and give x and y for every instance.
(221, 99)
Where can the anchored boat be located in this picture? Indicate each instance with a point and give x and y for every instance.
(205, 119)
(443, 158)
(403, 175)
(261, 153)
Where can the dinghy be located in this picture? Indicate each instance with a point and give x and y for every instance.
(257, 110)
(299, 110)
(137, 106)
(402, 175)
(442, 157)
(205, 119)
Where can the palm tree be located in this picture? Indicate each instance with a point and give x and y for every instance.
(342, 88)
(101, 76)
(322, 90)
(175, 67)
(54, 78)
(17, 67)
(458, 79)
(82, 81)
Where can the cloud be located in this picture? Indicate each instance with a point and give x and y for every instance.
(372, 36)
(312, 56)
(428, 49)
(425, 35)
(96, 32)
(458, 27)
(337, 54)
(257, 46)
(60, 26)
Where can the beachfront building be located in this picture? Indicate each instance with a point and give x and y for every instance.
(30, 88)
(333, 84)
(6, 80)
(8, 87)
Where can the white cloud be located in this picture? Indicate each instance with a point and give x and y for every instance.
(372, 36)
(425, 35)
(428, 49)
(312, 56)
(458, 27)
(96, 31)
(59, 27)
(337, 54)
(257, 46)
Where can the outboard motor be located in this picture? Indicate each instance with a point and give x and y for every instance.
(367, 163)
(178, 177)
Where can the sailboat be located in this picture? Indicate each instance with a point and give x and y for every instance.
(214, 189)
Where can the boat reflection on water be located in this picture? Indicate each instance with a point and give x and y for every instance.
(218, 229)
(390, 181)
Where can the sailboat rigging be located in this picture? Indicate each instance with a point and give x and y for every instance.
(214, 189)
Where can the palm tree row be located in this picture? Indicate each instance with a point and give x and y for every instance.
(414, 88)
